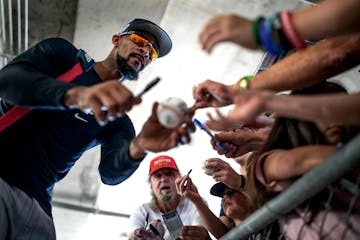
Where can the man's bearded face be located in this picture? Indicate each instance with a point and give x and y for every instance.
(125, 70)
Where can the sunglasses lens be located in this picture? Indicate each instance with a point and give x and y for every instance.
(142, 42)
(138, 40)
(154, 54)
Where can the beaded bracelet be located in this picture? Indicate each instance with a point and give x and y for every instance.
(290, 32)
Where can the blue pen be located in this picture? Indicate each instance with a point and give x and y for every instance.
(217, 142)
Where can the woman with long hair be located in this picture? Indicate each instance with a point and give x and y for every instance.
(293, 148)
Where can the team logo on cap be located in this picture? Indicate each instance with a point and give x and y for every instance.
(162, 161)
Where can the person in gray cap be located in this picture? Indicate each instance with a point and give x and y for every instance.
(63, 119)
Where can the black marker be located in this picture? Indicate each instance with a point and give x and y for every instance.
(154, 230)
(148, 87)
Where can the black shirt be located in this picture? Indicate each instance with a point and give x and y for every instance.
(39, 149)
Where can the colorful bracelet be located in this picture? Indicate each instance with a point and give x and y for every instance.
(277, 46)
(256, 31)
(279, 34)
(265, 39)
(268, 39)
(244, 82)
(290, 32)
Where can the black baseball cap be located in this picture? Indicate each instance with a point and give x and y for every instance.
(218, 189)
(145, 26)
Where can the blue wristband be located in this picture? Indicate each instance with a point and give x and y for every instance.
(266, 38)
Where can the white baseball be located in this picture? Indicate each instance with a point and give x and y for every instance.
(208, 170)
(171, 112)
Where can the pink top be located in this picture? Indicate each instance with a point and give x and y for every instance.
(313, 225)
(273, 186)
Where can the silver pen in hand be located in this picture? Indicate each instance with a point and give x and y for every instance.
(185, 183)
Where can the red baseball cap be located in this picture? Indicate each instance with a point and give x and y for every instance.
(162, 161)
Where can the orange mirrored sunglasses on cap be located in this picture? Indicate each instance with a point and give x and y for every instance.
(142, 42)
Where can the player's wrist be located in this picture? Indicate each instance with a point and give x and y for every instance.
(136, 150)
(196, 199)
(71, 96)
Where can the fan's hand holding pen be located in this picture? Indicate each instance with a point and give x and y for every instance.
(185, 187)
(219, 144)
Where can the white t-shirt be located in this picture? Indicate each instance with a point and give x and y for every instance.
(186, 210)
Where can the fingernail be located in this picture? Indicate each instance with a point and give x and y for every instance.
(87, 110)
(111, 118)
(119, 115)
(104, 108)
(102, 123)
